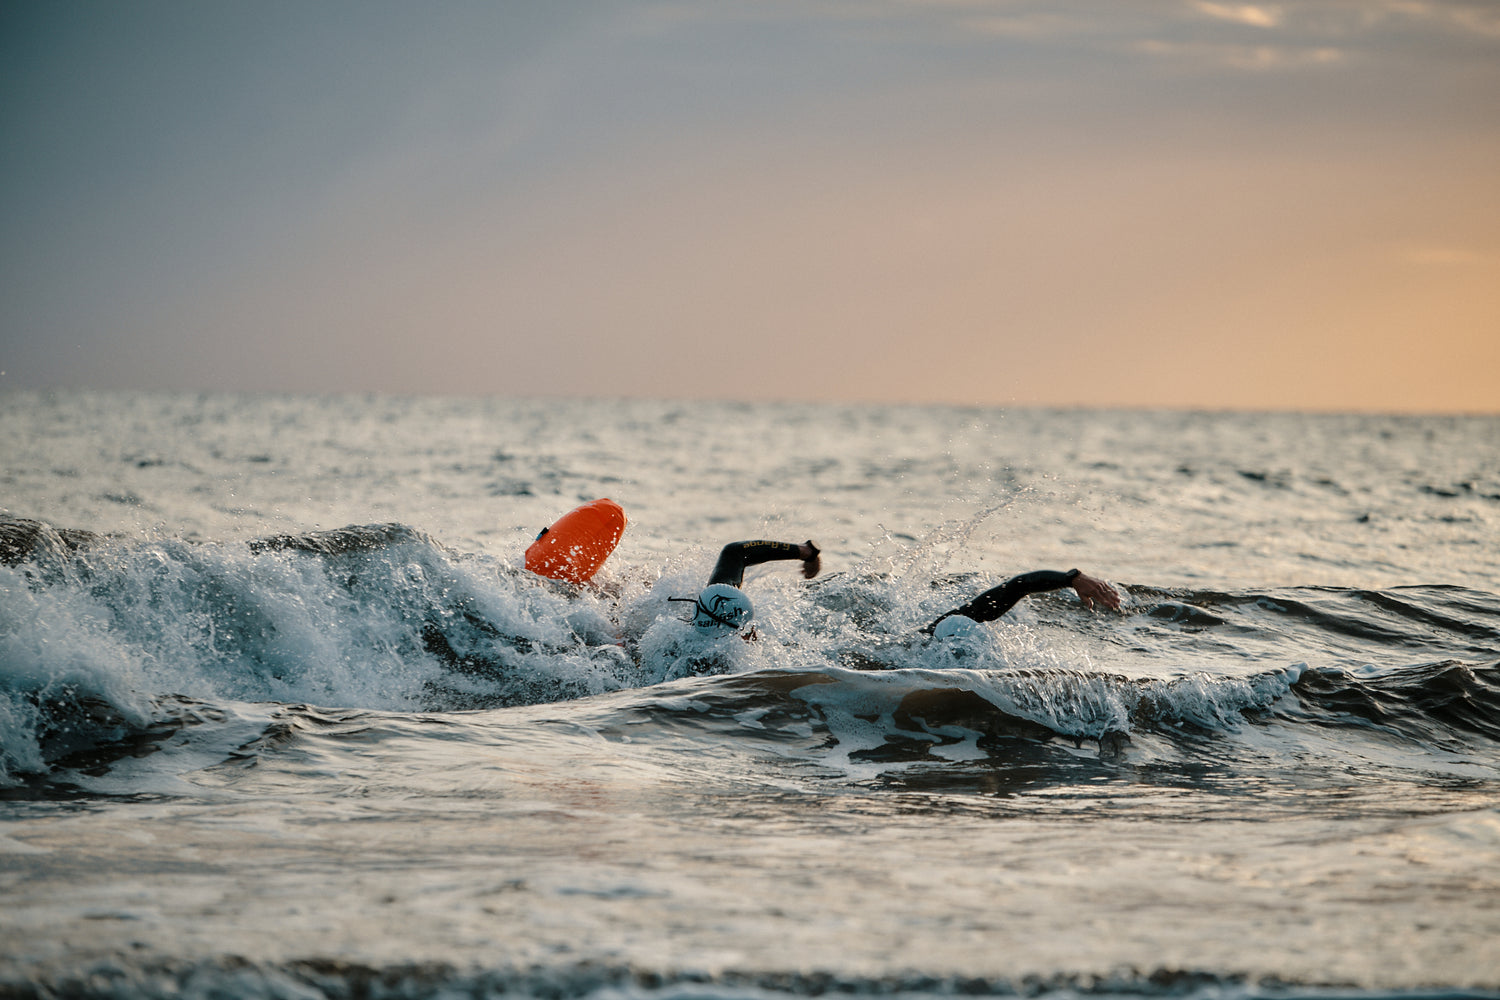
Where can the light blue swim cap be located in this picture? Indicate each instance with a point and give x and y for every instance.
(955, 626)
(720, 606)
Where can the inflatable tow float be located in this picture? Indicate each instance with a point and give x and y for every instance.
(576, 546)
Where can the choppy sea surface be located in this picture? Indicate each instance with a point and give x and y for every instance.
(374, 757)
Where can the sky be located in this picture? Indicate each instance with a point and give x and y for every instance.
(1122, 203)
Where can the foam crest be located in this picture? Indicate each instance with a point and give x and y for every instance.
(398, 624)
(58, 657)
(865, 709)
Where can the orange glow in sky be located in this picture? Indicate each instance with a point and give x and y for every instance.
(1159, 204)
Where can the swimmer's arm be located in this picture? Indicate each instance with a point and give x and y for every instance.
(737, 556)
(996, 601)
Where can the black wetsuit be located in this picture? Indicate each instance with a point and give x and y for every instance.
(736, 556)
(996, 601)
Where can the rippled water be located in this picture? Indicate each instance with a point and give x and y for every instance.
(406, 767)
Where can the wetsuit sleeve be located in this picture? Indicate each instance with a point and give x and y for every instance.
(736, 556)
(996, 601)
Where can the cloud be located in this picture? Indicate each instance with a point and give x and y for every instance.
(1481, 19)
(1030, 25)
(1254, 15)
(1251, 58)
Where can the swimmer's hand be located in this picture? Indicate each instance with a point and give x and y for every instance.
(810, 561)
(1092, 591)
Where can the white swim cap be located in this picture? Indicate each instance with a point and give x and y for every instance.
(955, 626)
(721, 606)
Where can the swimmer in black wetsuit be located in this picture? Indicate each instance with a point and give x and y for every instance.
(722, 605)
(996, 601)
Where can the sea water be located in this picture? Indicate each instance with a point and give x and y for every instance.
(380, 759)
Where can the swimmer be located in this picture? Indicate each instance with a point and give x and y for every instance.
(722, 606)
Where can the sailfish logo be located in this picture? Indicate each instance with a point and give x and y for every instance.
(719, 606)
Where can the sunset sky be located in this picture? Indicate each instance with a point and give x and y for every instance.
(1117, 203)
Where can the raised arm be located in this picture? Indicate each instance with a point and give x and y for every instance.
(996, 601)
(736, 556)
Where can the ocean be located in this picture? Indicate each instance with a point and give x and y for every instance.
(375, 757)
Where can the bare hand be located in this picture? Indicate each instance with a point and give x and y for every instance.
(1092, 590)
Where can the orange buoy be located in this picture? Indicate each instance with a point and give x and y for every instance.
(576, 546)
